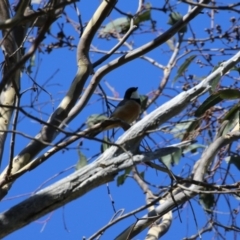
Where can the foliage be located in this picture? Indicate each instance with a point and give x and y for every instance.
(180, 158)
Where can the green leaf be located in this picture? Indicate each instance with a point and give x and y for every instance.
(94, 119)
(216, 98)
(173, 158)
(179, 128)
(144, 100)
(214, 83)
(184, 66)
(229, 94)
(142, 174)
(171, 43)
(82, 161)
(121, 25)
(174, 17)
(144, 15)
(193, 125)
(31, 63)
(232, 117)
(193, 148)
(216, 80)
(105, 145)
(207, 200)
(235, 160)
(208, 103)
(121, 178)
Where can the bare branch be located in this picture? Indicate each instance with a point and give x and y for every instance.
(47, 133)
(129, 57)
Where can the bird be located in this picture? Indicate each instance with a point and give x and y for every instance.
(127, 111)
(129, 108)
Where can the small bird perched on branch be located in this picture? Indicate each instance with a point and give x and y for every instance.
(124, 114)
(128, 109)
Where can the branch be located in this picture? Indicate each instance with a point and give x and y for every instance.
(229, 7)
(10, 93)
(63, 144)
(26, 14)
(68, 189)
(203, 164)
(182, 196)
(129, 57)
(167, 71)
(47, 134)
(11, 22)
(118, 45)
(158, 230)
(103, 170)
(173, 107)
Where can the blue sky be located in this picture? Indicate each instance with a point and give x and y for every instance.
(86, 215)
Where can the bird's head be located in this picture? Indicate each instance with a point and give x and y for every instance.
(132, 93)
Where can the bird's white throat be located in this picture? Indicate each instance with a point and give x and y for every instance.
(134, 95)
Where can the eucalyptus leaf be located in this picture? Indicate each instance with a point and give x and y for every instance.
(229, 94)
(193, 148)
(82, 161)
(122, 24)
(232, 120)
(193, 126)
(172, 159)
(216, 98)
(207, 104)
(106, 144)
(174, 17)
(144, 100)
(94, 119)
(183, 67)
(121, 178)
(207, 201)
